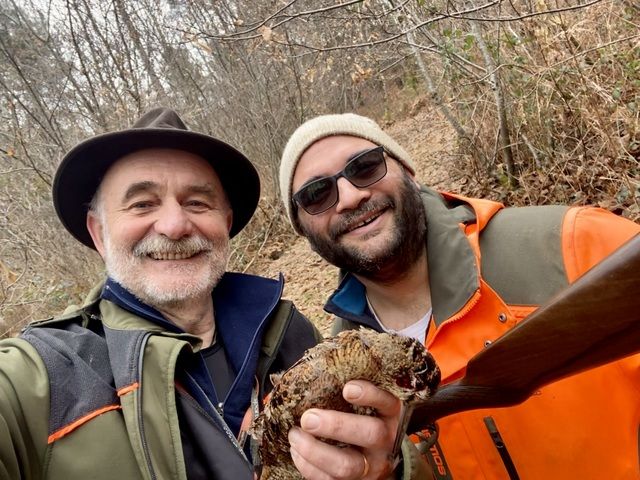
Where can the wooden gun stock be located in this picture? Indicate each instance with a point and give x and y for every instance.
(594, 321)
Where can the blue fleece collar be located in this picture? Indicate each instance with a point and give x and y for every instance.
(349, 301)
(116, 293)
(242, 303)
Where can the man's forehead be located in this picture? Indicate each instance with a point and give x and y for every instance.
(148, 186)
(331, 152)
(157, 172)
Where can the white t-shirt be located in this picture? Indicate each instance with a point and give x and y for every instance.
(417, 330)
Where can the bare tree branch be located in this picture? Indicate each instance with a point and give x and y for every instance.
(462, 16)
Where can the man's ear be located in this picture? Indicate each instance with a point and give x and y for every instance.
(96, 230)
(229, 219)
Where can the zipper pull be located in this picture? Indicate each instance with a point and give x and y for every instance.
(501, 447)
(221, 409)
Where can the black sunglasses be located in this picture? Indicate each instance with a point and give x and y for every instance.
(362, 170)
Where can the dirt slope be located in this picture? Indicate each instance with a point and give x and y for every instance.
(309, 279)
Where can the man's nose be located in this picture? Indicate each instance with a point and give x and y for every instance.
(349, 196)
(173, 222)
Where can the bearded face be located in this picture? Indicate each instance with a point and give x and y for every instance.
(380, 253)
(161, 223)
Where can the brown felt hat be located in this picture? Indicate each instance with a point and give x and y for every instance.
(83, 167)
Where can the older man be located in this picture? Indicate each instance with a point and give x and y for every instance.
(152, 376)
(456, 273)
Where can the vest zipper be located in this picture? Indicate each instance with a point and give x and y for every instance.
(501, 447)
(219, 419)
(143, 440)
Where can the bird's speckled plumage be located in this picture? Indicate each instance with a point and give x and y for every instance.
(400, 365)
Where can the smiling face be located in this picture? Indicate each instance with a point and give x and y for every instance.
(374, 231)
(162, 226)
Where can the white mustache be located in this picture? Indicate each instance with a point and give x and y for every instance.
(161, 245)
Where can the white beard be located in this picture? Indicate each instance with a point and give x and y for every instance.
(180, 281)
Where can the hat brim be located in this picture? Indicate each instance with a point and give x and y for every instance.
(82, 169)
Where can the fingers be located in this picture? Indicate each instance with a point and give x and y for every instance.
(363, 393)
(370, 439)
(318, 460)
(349, 428)
(360, 430)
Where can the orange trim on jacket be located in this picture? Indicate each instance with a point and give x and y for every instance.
(57, 435)
(129, 388)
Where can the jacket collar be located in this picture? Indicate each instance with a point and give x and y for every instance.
(238, 313)
(452, 263)
(454, 274)
(243, 304)
(116, 293)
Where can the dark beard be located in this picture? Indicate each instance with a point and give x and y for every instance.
(404, 248)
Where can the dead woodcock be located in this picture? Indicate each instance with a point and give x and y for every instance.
(399, 365)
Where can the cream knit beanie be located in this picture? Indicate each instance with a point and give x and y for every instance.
(325, 126)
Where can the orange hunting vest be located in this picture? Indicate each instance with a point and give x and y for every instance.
(583, 427)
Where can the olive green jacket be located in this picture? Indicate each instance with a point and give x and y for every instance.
(66, 413)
